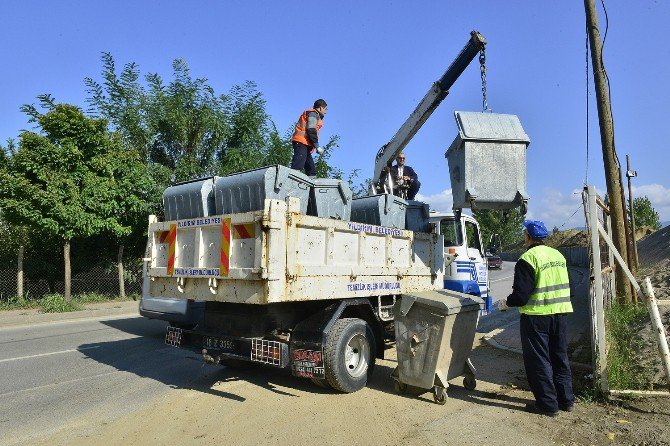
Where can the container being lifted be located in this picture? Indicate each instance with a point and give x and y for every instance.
(487, 162)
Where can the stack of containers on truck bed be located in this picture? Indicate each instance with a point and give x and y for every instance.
(190, 199)
(381, 210)
(247, 191)
(330, 198)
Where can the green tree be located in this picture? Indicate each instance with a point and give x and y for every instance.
(73, 179)
(645, 214)
(510, 230)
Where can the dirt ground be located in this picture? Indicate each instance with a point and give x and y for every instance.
(259, 406)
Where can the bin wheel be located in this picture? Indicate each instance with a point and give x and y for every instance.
(399, 387)
(470, 382)
(440, 395)
(349, 354)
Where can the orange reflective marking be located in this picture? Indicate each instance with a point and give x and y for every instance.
(246, 230)
(225, 247)
(172, 239)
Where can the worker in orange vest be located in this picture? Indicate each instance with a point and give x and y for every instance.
(306, 137)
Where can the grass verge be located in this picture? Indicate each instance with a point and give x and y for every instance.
(625, 369)
(55, 303)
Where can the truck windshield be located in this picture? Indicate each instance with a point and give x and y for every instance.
(452, 232)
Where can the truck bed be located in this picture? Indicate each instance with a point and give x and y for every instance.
(279, 255)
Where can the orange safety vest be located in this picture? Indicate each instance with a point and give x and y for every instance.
(300, 133)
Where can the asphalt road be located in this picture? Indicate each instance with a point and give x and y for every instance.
(73, 370)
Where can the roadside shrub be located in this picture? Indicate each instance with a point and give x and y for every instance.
(56, 303)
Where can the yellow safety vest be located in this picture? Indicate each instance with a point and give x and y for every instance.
(552, 284)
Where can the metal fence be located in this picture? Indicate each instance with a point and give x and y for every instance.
(100, 277)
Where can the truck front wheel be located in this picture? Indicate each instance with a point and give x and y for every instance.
(349, 354)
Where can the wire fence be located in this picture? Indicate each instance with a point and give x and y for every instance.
(100, 277)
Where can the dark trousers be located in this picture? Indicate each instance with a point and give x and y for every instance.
(544, 340)
(413, 189)
(302, 159)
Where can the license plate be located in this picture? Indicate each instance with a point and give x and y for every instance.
(219, 344)
(173, 336)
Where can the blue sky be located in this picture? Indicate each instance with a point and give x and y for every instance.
(373, 61)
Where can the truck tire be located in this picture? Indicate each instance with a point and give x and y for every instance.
(349, 354)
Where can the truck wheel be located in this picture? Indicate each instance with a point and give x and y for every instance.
(321, 383)
(349, 354)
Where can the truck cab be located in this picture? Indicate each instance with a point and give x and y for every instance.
(466, 270)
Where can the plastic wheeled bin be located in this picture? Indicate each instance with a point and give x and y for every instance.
(247, 191)
(434, 333)
(487, 162)
(381, 210)
(330, 198)
(189, 199)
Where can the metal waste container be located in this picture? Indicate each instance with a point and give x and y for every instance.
(434, 333)
(487, 162)
(417, 217)
(330, 198)
(189, 199)
(381, 210)
(247, 191)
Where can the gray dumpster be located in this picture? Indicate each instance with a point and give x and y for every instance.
(417, 217)
(190, 199)
(434, 333)
(330, 198)
(487, 162)
(381, 210)
(247, 191)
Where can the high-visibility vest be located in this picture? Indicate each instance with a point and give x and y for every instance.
(300, 133)
(552, 284)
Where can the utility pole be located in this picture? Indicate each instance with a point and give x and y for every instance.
(612, 174)
(632, 174)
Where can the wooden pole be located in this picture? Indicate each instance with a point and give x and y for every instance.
(122, 285)
(612, 177)
(68, 272)
(19, 274)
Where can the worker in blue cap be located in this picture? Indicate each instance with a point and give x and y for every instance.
(541, 290)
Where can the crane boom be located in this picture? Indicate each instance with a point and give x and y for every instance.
(438, 91)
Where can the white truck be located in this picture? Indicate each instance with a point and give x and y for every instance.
(312, 294)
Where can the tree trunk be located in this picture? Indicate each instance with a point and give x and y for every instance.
(122, 285)
(19, 274)
(68, 272)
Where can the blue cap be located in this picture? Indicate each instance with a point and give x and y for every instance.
(536, 229)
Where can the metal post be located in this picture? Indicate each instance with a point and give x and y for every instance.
(19, 274)
(596, 304)
(632, 174)
(657, 324)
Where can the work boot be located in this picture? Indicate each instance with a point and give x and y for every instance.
(566, 408)
(532, 408)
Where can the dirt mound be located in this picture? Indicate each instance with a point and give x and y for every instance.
(654, 248)
(569, 237)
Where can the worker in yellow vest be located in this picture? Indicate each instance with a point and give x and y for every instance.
(305, 138)
(541, 290)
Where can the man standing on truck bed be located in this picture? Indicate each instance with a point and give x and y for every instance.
(404, 176)
(542, 291)
(306, 137)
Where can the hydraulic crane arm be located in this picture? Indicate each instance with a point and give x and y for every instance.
(438, 91)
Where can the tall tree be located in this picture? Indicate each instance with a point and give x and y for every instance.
(645, 214)
(510, 231)
(69, 180)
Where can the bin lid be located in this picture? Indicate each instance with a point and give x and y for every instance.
(445, 301)
(490, 126)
